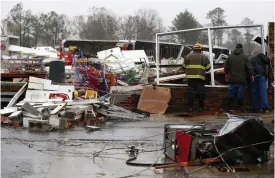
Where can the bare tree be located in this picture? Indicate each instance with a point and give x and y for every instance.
(235, 36)
(15, 21)
(128, 25)
(148, 24)
(100, 24)
(217, 18)
(248, 33)
(79, 24)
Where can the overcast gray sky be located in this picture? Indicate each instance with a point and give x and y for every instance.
(261, 11)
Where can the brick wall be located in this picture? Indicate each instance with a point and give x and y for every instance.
(214, 99)
(271, 41)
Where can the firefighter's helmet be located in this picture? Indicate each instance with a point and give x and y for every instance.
(198, 46)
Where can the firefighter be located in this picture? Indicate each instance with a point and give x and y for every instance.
(195, 65)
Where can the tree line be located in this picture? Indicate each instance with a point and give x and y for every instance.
(102, 24)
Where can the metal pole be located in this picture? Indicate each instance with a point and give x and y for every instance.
(179, 55)
(157, 58)
(211, 58)
(263, 51)
(262, 38)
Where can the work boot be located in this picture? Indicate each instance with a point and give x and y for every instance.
(190, 110)
(190, 104)
(191, 98)
(229, 102)
(239, 105)
(265, 111)
(201, 102)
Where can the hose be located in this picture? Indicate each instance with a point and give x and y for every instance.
(133, 152)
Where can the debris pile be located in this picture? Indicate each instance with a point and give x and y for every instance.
(49, 106)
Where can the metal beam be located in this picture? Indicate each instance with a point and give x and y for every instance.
(12, 83)
(262, 39)
(179, 55)
(206, 28)
(211, 58)
(263, 49)
(185, 85)
(157, 57)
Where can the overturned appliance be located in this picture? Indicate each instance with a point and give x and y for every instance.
(242, 139)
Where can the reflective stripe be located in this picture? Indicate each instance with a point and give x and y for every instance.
(195, 67)
(195, 76)
(208, 66)
(183, 65)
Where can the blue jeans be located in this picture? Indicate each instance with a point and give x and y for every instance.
(259, 93)
(236, 90)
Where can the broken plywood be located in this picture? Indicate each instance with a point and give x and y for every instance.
(154, 99)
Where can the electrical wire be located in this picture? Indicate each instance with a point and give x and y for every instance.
(137, 173)
(154, 136)
(222, 158)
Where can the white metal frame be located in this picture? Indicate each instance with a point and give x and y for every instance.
(210, 49)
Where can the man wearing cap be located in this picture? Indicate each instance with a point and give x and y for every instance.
(195, 66)
(238, 69)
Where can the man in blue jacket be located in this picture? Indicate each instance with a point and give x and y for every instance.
(259, 64)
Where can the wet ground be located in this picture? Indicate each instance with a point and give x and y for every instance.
(70, 154)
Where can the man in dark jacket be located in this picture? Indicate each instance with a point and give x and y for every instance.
(196, 64)
(259, 64)
(238, 68)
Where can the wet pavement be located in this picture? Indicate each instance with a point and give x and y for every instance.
(70, 154)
